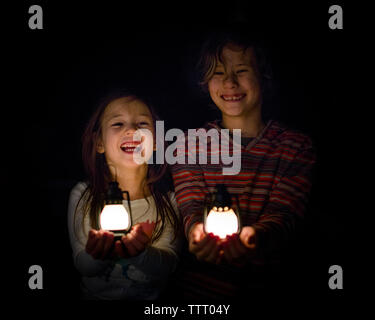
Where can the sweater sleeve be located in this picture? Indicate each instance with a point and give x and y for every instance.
(190, 187)
(78, 233)
(287, 201)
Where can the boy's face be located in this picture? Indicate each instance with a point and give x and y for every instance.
(234, 86)
(120, 121)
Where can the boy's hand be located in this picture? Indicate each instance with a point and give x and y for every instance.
(99, 244)
(205, 247)
(133, 243)
(238, 249)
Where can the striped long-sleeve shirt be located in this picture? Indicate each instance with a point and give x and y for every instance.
(272, 186)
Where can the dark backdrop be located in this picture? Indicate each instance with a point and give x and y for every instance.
(58, 73)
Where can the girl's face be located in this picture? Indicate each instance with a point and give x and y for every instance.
(121, 119)
(234, 86)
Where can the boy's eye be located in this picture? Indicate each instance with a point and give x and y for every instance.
(242, 70)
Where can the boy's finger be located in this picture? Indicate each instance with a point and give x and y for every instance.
(197, 246)
(205, 251)
(213, 255)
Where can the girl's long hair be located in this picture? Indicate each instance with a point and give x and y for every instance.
(158, 177)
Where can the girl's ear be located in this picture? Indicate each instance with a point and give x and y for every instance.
(99, 145)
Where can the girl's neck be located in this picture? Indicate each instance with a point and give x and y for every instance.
(134, 181)
(250, 125)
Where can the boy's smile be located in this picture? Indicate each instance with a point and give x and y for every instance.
(233, 97)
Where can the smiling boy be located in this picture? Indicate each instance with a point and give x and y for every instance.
(273, 185)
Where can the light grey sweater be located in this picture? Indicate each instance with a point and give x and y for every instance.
(137, 278)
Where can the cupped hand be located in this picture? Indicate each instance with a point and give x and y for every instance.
(238, 249)
(133, 243)
(99, 244)
(206, 247)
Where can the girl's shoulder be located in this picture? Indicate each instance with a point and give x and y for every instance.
(78, 190)
(173, 200)
(172, 196)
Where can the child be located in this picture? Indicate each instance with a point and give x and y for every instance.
(272, 186)
(137, 266)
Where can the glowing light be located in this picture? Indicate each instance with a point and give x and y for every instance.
(114, 217)
(221, 222)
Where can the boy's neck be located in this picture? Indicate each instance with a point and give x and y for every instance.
(250, 126)
(133, 180)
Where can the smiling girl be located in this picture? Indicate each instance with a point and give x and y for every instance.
(136, 266)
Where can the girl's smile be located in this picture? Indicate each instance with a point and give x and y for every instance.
(131, 146)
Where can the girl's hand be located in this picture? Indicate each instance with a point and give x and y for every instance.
(238, 249)
(205, 247)
(133, 243)
(99, 244)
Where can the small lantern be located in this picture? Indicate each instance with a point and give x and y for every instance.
(220, 217)
(114, 216)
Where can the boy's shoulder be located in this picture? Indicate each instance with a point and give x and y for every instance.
(275, 133)
(279, 133)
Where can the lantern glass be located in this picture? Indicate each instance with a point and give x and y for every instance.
(221, 222)
(221, 215)
(114, 217)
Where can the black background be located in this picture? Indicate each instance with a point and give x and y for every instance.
(58, 73)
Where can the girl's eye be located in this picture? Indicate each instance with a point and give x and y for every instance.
(219, 73)
(116, 124)
(143, 123)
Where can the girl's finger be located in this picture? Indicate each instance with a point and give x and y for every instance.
(91, 242)
(141, 236)
(96, 253)
(129, 247)
(134, 241)
(119, 249)
(108, 241)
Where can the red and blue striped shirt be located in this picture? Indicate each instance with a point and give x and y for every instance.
(272, 186)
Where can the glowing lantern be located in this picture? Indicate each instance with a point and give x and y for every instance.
(114, 216)
(220, 217)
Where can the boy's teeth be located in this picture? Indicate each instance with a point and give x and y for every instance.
(233, 98)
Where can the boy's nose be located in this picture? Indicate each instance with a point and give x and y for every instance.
(230, 81)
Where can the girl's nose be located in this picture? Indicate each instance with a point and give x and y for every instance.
(130, 129)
